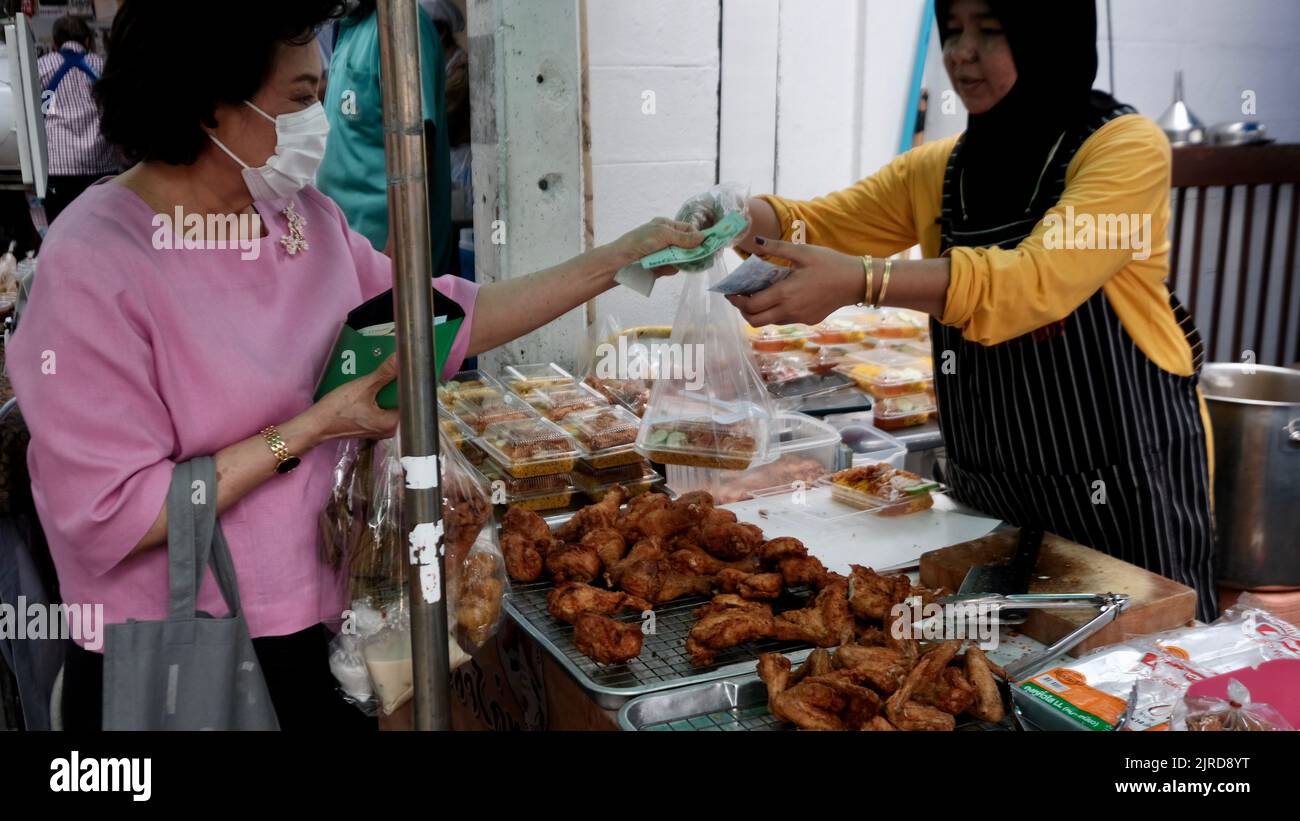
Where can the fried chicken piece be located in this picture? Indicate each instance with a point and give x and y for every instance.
(653, 514)
(802, 570)
(988, 704)
(524, 559)
(873, 596)
(641, 572)
(750, 585)
(698, 503)
(825, 622)
(729, 541)
(906, 714)
(816, 698)
(860, 704)
(879, 723)
(951, 692)
(571, 599)
(818, 663)
(870, 636)
(478, 604)
(527, 523)
(574, 563)
(883, 668)
(608, 544)
(723, 625)
(602, 514)
(605, 640)
(730, 601)
(676, 585)
(694, 561)
(782, 547)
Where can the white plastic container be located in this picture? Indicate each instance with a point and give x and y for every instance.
(869, 443)
(808, 450)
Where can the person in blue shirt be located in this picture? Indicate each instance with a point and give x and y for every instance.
(353, 172)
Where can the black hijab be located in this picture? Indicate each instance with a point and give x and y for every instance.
(1054, 45)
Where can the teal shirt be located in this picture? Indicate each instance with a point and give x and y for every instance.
(353, 172)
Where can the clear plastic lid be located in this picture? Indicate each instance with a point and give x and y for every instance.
(896, 323)
(454, 429)
(516, 488)
(881, 485)
(619, 474)
(524, 378)
(779, 367)
(732, 435)
(632, 394)
(601, 430)
(886, 372)
(839, 330)
(560, 401)
(771, 338)
(529, 447)
(472, 385)
(480, 414)
(894, 407)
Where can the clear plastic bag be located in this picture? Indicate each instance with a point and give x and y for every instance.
(371, 656)
(708, 408)
(345, 514)
(1237, 713)
(707, 208)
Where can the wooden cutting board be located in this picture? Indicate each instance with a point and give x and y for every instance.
(1156, 603)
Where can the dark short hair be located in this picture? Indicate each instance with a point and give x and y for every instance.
(169, 66)
(72, 28)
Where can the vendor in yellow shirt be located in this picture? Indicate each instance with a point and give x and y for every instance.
(1066, 371)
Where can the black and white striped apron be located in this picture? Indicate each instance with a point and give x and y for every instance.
(1072, 428)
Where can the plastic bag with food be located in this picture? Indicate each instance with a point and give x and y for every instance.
(709, 408)
(346, 512)
(619, 362)
(1236, 713)
(375, 637)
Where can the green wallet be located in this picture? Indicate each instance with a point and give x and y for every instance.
(356, 354)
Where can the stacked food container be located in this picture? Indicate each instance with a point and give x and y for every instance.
(901, 383)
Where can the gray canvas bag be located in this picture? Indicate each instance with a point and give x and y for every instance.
(191, 671)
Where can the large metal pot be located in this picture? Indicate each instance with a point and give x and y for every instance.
(1255, 414)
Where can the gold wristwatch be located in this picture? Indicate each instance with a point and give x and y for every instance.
(285, 461)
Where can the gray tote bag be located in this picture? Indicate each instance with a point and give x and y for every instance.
(192, 671)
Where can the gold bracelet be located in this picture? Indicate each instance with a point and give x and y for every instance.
(871, 276)
(884, 283)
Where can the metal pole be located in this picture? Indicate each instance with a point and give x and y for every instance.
(408, 213)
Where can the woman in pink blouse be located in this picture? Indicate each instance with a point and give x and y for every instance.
(135, 355)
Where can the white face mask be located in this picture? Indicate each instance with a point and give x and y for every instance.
(299, 149)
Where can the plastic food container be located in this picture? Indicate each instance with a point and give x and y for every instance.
(840, 330)
(606, 436)
(778, 338)
(635, 479)
(808, 449)
(558, 402)
(883, 372)
(779, 367)
(524, 378)
(534, 493)
(702, 442)
(883, 488)
(896, 323)
(479, 415)
(529, 447)
(894, 412)
(456, 431)
(472, 386)
(632, 394)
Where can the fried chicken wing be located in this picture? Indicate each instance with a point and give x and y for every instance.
(676, 585)
(905, 713)
(600, 515)
(729, 541)
(802, 570)
(920, 717)
(825, 622)
(815, 697)
(750, 585)
(883, 668)
(988, 704)
(873, 596)
(569, 600)
(951, 692)
(725, 625)
(574, 563)
(605, 640)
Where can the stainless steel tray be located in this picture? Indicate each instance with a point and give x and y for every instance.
(733, 704)
(663, 663)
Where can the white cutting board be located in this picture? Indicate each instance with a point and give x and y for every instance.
(841, 535)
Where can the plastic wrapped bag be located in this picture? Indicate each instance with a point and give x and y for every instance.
(1236, 713)
(619, 361)
(708, 208)
(371, 656)
(345, 514)
(709, 408)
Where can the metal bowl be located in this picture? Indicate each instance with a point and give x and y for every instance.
(1239, 133)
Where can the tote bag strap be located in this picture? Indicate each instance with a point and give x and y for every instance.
(195, 540)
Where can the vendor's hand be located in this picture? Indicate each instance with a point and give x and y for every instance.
(655, 235)
(823, 281)
(350, 410)
(705, 209)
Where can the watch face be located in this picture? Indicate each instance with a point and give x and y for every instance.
(288, 464)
